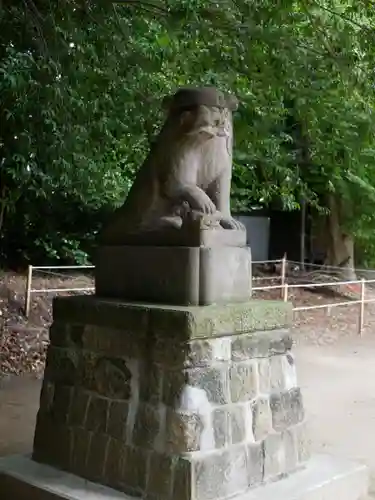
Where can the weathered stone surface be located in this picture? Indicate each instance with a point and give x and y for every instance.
(114, 462)
(261, 344)
(303, 442)
(183, 480)
(86, 370)
(80, 449)
(274, 456)
(62, 365)
(112, 378)
(207, 275)
(146, 427)
(97, 414)
(160, 476)
(79, 408)
(214, 381)
(46, 396)
(240, 418)
(183, 431)
(264, 375)
(150, 383)
(290, 450)
(97, 456)
(283, 372)
(255, 463)
(179, 322)
(243, 381)
(262, 418)
(62, 399)
(200, 407)
(134, 465)
(117, 342)
(52, 443)
(221, 421)
(287, 409)
(221, 474)
(117, 419)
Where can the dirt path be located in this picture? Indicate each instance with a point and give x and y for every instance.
(338, 384)
(19, 401)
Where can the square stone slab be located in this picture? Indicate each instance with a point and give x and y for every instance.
(174, 275)
(324, 478)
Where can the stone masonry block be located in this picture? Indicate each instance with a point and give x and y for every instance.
(274, 456)
(287, 409)
(46, 396)
(52, 443)
(150, 382)
(116, 342)
(262, 418)
(79, 408)
(221, 474)
(112, 378)
(80, 449)
(97, 414)
(283, 372)
(240, 423)
(182, 485)
(184, 431)
(178, 322)
(133, 469)
(61, 405)
(62, 365)
(96, 458)
(255, 457)
(264, 375)
(290, 450)
(160, 476)
(221, 423)
(243, 381)
(114, 462)
(260, 344)
(211, 382)
(146, 427)
(207, 351)
(117, 419)
(303, 442)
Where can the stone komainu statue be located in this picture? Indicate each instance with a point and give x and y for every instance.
(187, 174)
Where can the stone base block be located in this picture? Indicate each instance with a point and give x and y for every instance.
(174, 275)
(324, 478)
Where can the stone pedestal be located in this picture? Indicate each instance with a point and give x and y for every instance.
(188, 275)
(171, 402)
(177, 403)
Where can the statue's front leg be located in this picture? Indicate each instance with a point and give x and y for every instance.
(219, 192)
(196, 198)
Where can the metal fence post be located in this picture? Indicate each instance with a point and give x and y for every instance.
(362, 307)
(28, 290)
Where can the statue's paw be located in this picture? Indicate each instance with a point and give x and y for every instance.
(230, 223)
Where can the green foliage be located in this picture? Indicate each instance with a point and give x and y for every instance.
(81, 85)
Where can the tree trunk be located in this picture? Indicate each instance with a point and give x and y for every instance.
(339, 244)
